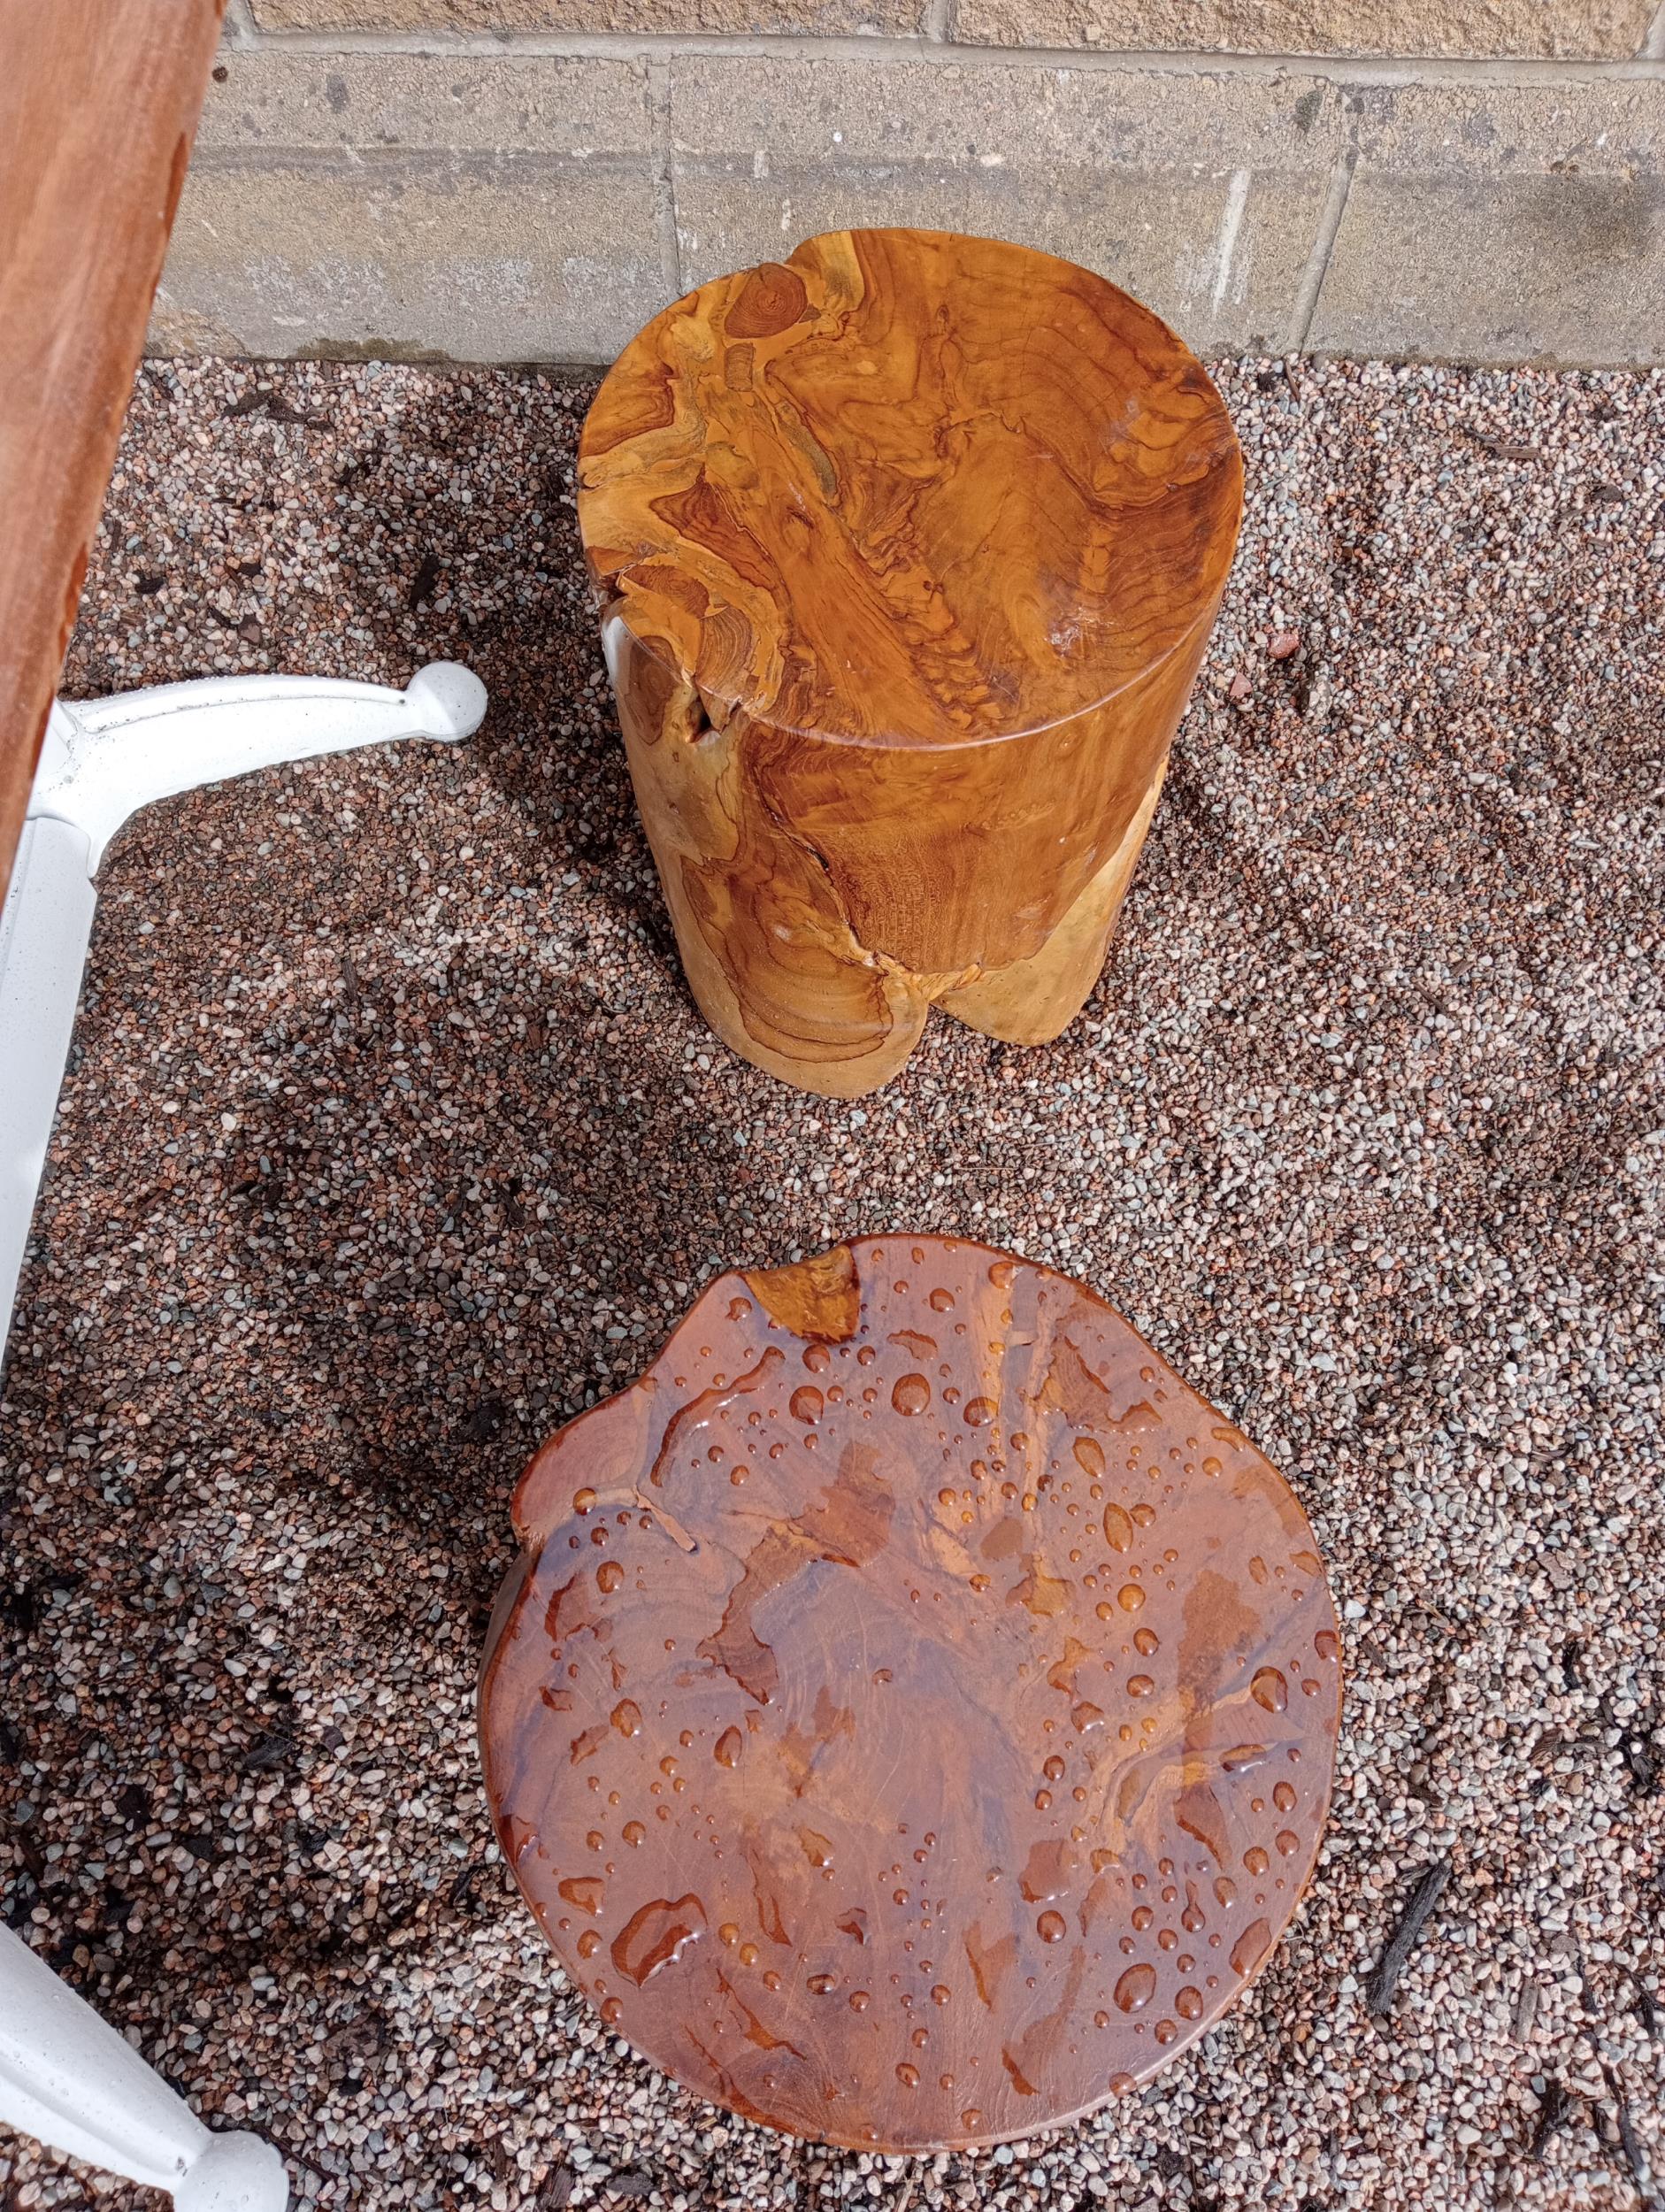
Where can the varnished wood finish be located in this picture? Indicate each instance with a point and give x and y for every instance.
(98, 100)
(913, 1714)
(909, 549)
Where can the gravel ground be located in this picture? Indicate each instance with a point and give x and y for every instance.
(392, 1139)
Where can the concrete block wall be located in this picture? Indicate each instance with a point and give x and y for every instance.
(530, 180)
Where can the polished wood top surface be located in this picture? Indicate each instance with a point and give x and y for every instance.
(909, 488)
(912, 1717)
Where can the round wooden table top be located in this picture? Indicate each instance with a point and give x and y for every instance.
(908, 488)
(912, 1717)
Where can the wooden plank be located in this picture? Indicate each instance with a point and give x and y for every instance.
(98, 101)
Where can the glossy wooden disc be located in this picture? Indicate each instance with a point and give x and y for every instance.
(913, 1716)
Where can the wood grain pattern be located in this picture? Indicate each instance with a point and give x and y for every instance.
(912, 1717)
(909, 547)
(98, 101)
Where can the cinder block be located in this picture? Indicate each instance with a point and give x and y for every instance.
(1522, 29)
(1500, 224)
(1200, 194)
(511, 207)
(353, 104)
(403, 206)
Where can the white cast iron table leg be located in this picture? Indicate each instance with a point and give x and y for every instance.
(69, 2079)
(102, 760)
(66, 2076)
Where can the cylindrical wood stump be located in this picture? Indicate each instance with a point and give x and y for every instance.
(912, 1716)
(910, 546)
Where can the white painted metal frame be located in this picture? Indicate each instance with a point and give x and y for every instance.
(66, 2076)
(100, 762)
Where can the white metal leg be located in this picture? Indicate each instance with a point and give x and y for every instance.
(66, 2077)
(44, 928)
(118, 755)
(101, 762)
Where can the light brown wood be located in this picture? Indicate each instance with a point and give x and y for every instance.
(909, 547)
(98, 100)
(912, 1716)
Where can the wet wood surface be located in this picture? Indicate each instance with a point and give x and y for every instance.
(98, 101)
(909, 547)
(912, 1716)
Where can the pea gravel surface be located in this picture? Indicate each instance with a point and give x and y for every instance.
(391, 1139)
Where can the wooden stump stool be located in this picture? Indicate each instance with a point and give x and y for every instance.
(910, 546)
(912, 1717)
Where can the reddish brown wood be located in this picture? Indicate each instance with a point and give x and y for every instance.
(98, 100)
(912, 1717)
